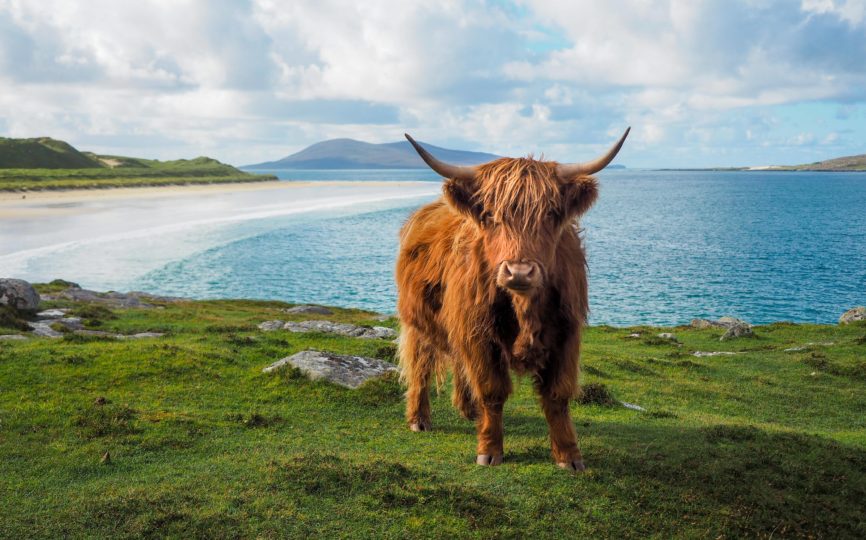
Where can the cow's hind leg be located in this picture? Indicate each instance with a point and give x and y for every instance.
(417, 360)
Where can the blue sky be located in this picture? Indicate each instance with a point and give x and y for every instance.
(702, 83)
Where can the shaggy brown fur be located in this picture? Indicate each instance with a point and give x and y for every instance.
(455, 316)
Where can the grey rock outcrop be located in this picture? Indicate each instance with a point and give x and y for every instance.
(737, 330)
(722, 322)
(18, 294)
(854, 314)
(132, 299)
(12, 337)
(53, 323)
(348, 371)
(328, 327)
(668, 336)
(308, 310)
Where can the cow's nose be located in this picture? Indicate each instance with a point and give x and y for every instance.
(519, 276)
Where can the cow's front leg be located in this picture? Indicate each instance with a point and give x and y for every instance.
(491, 385)
(556, 386)
(563, 438)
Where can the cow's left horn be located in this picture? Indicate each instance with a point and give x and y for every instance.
(572, 170)
(447, 170)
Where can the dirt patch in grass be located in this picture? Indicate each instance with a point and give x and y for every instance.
(596, 394)
(255, 420)
(105, 420)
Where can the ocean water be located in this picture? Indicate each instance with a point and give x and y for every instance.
(663, 247)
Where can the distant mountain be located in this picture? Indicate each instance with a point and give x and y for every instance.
(43, 153)
(352, 154)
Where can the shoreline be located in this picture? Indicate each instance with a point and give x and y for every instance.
(20, 204)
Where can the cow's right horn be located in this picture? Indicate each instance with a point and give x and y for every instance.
(447, 170)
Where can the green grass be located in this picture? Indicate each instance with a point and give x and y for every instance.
(200, 443)
(37, 166)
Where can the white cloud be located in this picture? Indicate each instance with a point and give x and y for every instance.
(253, 80)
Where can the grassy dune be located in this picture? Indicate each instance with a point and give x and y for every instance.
(49, 164)
(203, 444)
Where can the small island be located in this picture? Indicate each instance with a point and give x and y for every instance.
(43, 163)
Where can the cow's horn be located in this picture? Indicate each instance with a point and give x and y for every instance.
(445, 169)
(571, 170)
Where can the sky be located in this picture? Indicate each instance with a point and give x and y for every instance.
(702, 83)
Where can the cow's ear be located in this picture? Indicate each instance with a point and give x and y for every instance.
(460, 195)
(579, 195)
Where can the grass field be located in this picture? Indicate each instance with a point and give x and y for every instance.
(201, 443)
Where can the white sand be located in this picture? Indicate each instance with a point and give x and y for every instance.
(15, 205)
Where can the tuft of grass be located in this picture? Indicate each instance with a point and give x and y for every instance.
(384, 390)
(93, 315)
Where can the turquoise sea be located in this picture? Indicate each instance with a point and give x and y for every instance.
(664, 246)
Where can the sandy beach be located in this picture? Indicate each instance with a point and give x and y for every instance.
(15, 205)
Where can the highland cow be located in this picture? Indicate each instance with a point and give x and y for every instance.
(492, 278)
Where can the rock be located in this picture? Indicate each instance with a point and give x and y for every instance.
(728, 322)
(307, 309)
(809, 345)
(632, 406)
(704, 323)
(133, 299)
(723, 322)
(270, 326)
(72, 323)
(633, 336)
(669, 336)
(702, 354)
(140, 335)
(51, 314)
(343, 329)
(18, 294)
(12, 337)
(348, 371)
(737, 331)
(854, 314)
(43, 329)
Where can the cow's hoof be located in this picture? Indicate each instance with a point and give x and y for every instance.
(575, 465)
(489, 459)
(421, 425)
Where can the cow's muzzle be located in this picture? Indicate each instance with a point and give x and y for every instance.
(519, 276)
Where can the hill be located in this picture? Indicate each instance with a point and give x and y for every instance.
(847, 163)
(352, 154)
(43, 153)
(45, 163)
(184, 436)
